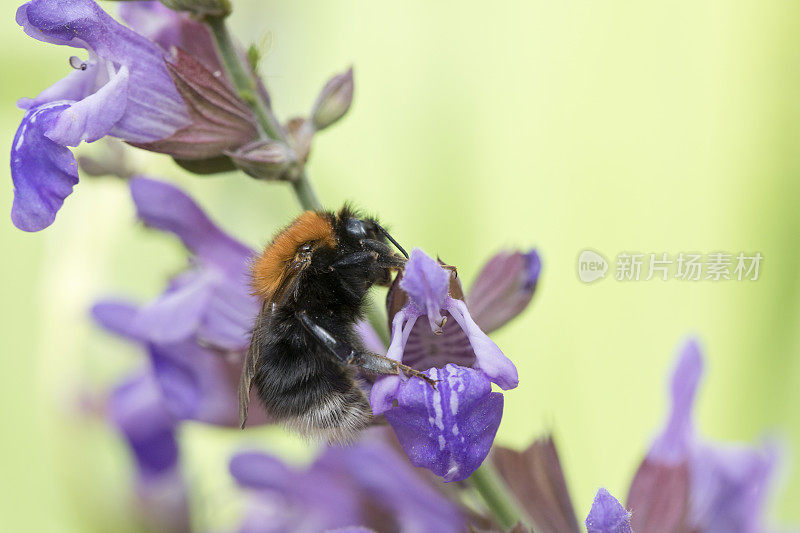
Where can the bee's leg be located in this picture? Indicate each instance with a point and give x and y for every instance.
(347, 354)
(356, 258)
(378, 364)
(385, 254)
(366, 257)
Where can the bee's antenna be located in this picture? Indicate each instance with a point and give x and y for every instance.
(391, 239)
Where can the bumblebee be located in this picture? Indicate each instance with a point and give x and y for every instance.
(312, 281)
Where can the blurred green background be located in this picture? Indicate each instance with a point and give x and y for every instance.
(612, 125)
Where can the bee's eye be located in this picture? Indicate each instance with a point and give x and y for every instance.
(304, 248)
(356, 228)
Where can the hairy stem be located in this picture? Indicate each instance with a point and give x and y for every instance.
(245, 82)
(488, 484)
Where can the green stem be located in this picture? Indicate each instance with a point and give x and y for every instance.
(305, 193)
(495, 495)
(243, 78)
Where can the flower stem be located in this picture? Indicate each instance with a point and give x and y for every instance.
(487, 483)
(243, 78)
(305, 193)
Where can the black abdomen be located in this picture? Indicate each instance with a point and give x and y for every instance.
(302, 386)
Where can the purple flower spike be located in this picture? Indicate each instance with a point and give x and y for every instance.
(122, 89)
(607, 515)
(729, 487)
(137, 409)
(310, 500)
(504, 288)
(43, 171)
(211, 301)
(450, 429)
(359, 488)
(197, 331)
(707, 487)
(149, 427)
(194, 382)
(672, 445)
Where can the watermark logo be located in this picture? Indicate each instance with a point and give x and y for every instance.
(684, 266)
(591, 266)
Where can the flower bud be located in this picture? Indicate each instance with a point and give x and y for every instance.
(265, 160)
(504, 288)
(300, 132)
(333, 101)
(201, 8)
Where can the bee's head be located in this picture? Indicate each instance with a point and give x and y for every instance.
(364, 233)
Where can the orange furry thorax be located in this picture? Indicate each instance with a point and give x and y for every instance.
(273, 268)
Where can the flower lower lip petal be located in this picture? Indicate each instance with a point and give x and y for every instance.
(449, 429)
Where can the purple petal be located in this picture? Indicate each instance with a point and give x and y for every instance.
(450, 429)
(607, 515)
(138, 409)
(426, 283)
(313, 500)
(213, 301)
(197, 384)
(672, 445)
(153, 109)
(165, 207)
(43, 171)
(74, 86)
(168, 29)
(503, 288)
(257, 470)
(369, 337)
(229, 316)
(488, 356)
(383, 393)
(176, 315)
(93, 117)
(729, 486)
(382, 475)
(117, 317)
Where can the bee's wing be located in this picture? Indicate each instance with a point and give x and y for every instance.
(252, 360)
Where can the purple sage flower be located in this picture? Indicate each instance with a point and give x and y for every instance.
(210, 301)
(503, 288)
(197, 331)
(356, 488)
(449, 429)
(709, 487)
(121, 89)
(607, 515)
(139, 412)
(196, 383)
